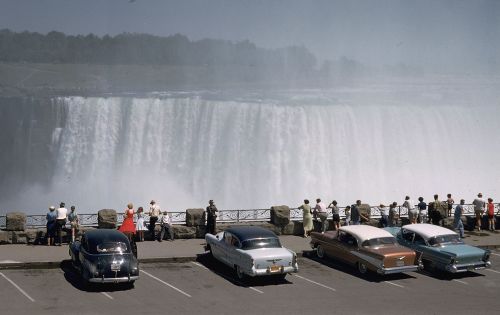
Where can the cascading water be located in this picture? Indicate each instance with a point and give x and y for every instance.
(185, 149)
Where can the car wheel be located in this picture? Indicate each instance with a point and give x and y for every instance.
(320, 251)
(362, 268)
(240, 274)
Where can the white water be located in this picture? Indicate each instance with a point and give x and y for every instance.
(373, 144)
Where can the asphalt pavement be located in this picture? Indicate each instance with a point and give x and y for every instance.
(40, 256)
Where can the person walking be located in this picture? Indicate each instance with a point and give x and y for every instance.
(412, 211)
(51, 225)
(166, 227)
(479, 205)
(320, 211)
(335, 214)
(307, 221)
(490, 211)
(211, 217)
(128, 227)
(73, 222)
(62, 214)
(154, 213)
(449, 204)
(457, 221)
(384, 215)
(140, 225)
(422, 210)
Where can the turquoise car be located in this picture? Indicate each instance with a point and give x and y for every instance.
(441, 248)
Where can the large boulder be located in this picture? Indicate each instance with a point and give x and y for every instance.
(183, 232)
(280, 215)
(106, 219)
(5, 237)
(365, 210)
(15, 221)
(195, 217)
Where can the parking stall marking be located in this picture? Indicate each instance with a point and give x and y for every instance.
(493, 270)
(166, 283)
(460, 281)
(107, 295)
(395, 284)
(17, 287)
(241, 284)
(495, 254)
(317, 283)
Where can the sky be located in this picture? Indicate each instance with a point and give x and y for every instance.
(446, 34)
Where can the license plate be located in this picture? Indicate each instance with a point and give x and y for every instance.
(400, 263)
(115, 267)
(275, 268)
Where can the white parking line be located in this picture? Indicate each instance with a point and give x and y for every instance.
(317, 283)
(492, 270)
(460, 281)
(252, 288)
(17, 287)
(398, 285)
(495, 254)
(107, 295)
(165, 283)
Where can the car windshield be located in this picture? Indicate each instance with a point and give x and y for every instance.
(379, 241)
(271, 242)
(112, 247)
(444, 239)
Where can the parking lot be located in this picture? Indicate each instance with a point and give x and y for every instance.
(205, 286)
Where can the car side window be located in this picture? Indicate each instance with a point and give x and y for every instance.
(348, 239)
(418, 240)
(228, 238)
(408, 236)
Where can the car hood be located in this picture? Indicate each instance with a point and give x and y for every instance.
(461, 250)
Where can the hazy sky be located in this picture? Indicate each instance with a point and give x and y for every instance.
(436, 33)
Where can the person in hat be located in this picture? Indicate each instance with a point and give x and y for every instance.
(51, 225)
(211, 217)
(154, 213)
(62, 215)
(479, 205)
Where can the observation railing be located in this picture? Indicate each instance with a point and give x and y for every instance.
(226, 216)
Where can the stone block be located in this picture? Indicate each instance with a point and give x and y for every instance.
(195, 217)
(15, 221)
(365, 210)
(183, 232)
(5, 237)
(106, 219)
(280, 215)
(19, 237)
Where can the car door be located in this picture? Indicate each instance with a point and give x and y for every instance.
(406, 238)
(346, 246)
(233, 255)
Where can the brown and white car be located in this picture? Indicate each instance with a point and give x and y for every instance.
(366, 247)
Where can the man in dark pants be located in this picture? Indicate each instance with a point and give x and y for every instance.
(154, 212)
(211, 217)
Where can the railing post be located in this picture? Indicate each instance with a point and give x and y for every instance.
(238, 216)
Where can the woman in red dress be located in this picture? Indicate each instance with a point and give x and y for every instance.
(128, 226)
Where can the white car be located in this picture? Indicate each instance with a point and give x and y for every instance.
(252, 251)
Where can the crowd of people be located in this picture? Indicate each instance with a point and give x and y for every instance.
(435, 212)
(134, 229)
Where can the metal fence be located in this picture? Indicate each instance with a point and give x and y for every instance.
(227, 216)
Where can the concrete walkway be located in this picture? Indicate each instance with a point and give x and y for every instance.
(39, 256)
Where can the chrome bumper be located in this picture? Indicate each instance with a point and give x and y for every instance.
(388, 271)
(468, 267)
(114, 280)
(267, 272)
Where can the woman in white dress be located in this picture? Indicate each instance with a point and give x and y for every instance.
(140, 225)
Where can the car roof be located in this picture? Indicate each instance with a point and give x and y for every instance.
(99, 236)
(365, 232)
(250, 232)
(428, 230)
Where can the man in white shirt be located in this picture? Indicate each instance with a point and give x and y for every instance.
(412, 211)
(62, 214)
(166, 227)
(320, 211)
(154, 213)
(479, 205)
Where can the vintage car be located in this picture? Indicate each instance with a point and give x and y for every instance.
(441, 248)
(252, 251)
(105, 256)
(366, 247)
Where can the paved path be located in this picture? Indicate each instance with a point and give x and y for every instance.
(19, 256)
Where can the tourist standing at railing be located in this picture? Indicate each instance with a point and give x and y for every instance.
(335, 214)
(449, 203)
(347, 215)
(166, 227)
(393, 214)
(479, 209)
(320, 212)
(62, 214)
(356, 214)
(73, 222)
(457, 222)
(51, 225)
(384, 216)
(154, 212)
(490, 211)
(422, 210)
(412, 211)
(128, 227)
(439, 212)
(211, 217)
(307, 221)
(140, 225)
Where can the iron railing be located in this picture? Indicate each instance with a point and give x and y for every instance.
(227, 216)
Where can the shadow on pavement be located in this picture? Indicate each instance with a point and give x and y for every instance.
(229, 274)
(352, 270)
(73, 276)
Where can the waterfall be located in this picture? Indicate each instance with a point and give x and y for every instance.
(183, 150)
